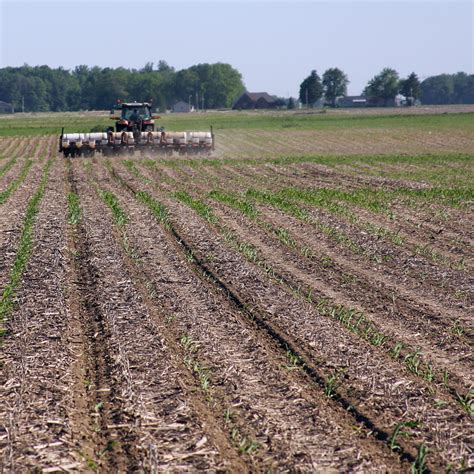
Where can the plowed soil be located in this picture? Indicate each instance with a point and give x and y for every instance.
(239, 313)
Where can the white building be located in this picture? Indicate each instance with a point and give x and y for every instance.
(181, 107)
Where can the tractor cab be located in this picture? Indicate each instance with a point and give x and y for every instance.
(136, 112)
(133, 117)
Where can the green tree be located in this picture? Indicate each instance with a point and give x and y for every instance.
(214, 85)
(164, 67)
(383, 86)
(291, 103)
(463, 88)
(437, 89)
(311, 89)
(334, 85)
(43, 88)
(410, 88)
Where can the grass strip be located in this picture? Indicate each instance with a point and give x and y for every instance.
(24, 248)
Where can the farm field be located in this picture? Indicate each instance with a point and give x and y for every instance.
(301, 300)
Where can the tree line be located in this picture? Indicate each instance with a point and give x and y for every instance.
(384, 87)
(205, 86)
(41, 88)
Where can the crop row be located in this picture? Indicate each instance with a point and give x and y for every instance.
(411, 362)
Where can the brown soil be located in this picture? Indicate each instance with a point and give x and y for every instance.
(150, 346)
(284, 310)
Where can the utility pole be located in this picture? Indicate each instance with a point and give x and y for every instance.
(189, 102)
(23, 103)
(197, 101)
(306, 97)
(202, 101)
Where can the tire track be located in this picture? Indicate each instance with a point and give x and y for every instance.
(154, 420)
(240, 361)
(386, 399)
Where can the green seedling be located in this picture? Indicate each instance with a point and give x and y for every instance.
(188, 343)
(4, 195)
(413, 362)
(440, 403)
(99, 406)
(235, 201)
(24, 247)
(197, 205)
(429, 373)
(457, 329)
(332, 383)
(294, 361)
(228, 416)
(248, 446)
(74, 209)
(445, 377)
(120, 218)
(467, 400)
(158, 210)
(419, 465)
(399, 432)
(396, 350)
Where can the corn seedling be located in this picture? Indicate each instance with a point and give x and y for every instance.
(399, 432)
(294, 361)
(419, 465)
(467, 400)
(188, 343)
(197, 205)
(236, 202)
(457, 329)
(7, 166)
(331, 384)
(130, 165)
(228, 416)
(5, 194)
(429, 374)
(74, 209)
(245, 444)
(24, 247)
(248, 446)
(158, 210)
(445, 377)
(307, 252)
(119, 216)
(284, 237)
(412, 362)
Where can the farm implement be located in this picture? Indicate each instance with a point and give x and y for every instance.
(135, 131)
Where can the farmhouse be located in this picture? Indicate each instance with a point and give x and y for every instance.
(6, 108)
(255, 100)
(181, 107)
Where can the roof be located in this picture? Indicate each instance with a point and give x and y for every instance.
(254, 96)
(180, 102)
(355, 97)
(134, 104)
(3, 104)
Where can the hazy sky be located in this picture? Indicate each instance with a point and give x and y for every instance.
(274, 44)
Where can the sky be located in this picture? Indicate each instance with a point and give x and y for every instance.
(274, 44)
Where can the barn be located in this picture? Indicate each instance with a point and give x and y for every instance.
(255, 100)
